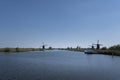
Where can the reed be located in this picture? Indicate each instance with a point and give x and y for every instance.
(108, 52)
(19, 49)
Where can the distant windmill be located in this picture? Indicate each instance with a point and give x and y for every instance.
(43, 46)
(98, 45)
(78, 47)
(92, 46)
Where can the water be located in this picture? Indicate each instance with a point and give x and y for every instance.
(58, 65)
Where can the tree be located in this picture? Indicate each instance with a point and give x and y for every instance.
(7, 49)
(50, 48)
(104, 48)
(115, 47)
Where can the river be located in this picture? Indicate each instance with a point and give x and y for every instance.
(58, 65)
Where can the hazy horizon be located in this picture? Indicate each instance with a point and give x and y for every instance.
(59, 23)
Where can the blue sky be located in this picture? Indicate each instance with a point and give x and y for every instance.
(59, 23)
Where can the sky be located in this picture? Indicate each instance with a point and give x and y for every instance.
(59, 23)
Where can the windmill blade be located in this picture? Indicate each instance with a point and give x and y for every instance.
(101, 44)
(98, 42)
(94, 44)
(44, 44)
(89, 45)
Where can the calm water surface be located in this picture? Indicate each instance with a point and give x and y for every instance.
(58, 65)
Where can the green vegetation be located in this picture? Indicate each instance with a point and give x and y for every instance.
(115, 47)
(19, 49)
(113, 50)
(108, 52)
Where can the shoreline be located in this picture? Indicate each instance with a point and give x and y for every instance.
(11, 50)
(17, 50)
(104, 52)
(108, 52)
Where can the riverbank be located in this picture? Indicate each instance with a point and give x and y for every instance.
(108, 52)
(104, 52)
(19, 49)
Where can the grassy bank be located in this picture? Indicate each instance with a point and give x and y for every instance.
(108, 52)
(19, 49)
(104, 52)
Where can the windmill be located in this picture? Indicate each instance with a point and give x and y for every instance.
(43, 46)
(92, 46)
(98, 45)
(78, 47)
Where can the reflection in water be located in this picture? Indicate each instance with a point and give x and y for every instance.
(58, 65)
